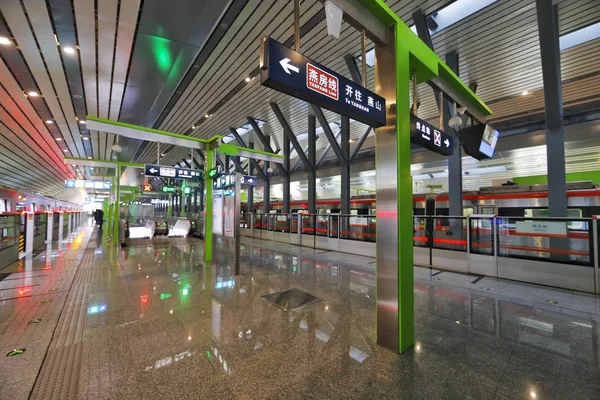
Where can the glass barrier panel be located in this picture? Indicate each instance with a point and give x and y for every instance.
(333, 225)
(555, 240)
(8, 231)
(258, 221)
(420, 232)
(308, 224)
(450, 233)
(354, 227)
(294, 223)
(40, 223)
(322, 224)
(282, 223)
(481, 236)
(271, 222)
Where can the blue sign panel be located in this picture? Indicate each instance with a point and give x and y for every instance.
(290, 72)
(163, 171)
(428, 136)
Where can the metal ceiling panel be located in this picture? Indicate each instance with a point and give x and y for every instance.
(19, 26)
(42, 27)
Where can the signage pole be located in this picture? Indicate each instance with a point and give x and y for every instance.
(297, 25)
(117, 209)
(363, 50)
(183, 199)
(208, 206)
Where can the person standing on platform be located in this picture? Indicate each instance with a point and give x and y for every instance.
(99, 215)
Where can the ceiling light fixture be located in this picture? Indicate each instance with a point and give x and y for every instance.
(86, 138)
(69, 50)
(66, 150)
(248, 79)
(89, 158)
(82, 122)
(524, 92)
(4, 40)
(58, 139)
(193, 126)
(49, 121)
(207, 115)
(32, 94)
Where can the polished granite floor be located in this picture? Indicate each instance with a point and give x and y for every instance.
(158, 323)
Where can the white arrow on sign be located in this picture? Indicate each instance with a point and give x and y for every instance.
(285, 64)
(250, 180)
(153, 171)
(447, 143)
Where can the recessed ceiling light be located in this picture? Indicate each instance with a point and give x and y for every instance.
(49, 121)
(66, 150)
(206, 115)
(4, 40)
(77, 96)
(248, 79)
(352, 140)
(193, 127)
(86, 138)
(33, 94)
(69, 50)
(89, 158)
(58, 139)
(82, 122)
(162, 155)
(524, 92)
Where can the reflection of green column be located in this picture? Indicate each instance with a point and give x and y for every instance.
(117, 208)
(183, 199)
(170, 207)
(106, 209)
(208, 206)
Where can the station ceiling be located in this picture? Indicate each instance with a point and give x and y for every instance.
(187, 66)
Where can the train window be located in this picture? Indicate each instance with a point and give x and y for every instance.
(468, 211)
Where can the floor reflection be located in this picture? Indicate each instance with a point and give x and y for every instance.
(469, 344)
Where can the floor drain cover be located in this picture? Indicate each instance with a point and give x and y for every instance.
(15, 352)
(291, 299)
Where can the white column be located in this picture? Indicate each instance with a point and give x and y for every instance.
(29, 232)
(49, 230)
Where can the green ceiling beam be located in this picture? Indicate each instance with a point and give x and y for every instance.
(426, 64)
(238, 151)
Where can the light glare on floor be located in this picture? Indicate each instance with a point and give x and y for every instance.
(189, 338)
(533, 395)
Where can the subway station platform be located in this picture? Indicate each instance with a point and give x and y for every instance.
(154, 321)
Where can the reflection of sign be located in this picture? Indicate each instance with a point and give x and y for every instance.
(146, 187)
(87, 184)
(217, 214)
(229, 216)
(290, 72)
(429, 137)
(173, 172)
(541, 228)
(168, 189)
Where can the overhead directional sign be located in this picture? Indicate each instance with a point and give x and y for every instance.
(225, 181)
(290, 72)
(173, 172)
(168, 189)
(88, 184)
(429, 137)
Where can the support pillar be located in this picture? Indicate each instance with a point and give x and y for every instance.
(547, 16)
(117, 211)
(267, 191)
(395, 295)
(250, 200)
(312, 172)
(345, 165)
(455, 160)
(286, 175)
(208, 211)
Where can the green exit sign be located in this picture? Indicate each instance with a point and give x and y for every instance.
(187, 190)
(168, 189)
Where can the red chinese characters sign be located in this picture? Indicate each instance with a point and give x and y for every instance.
(322, 82)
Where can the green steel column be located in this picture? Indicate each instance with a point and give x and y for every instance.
(117, 208)
(406, 324)
(208, 206)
